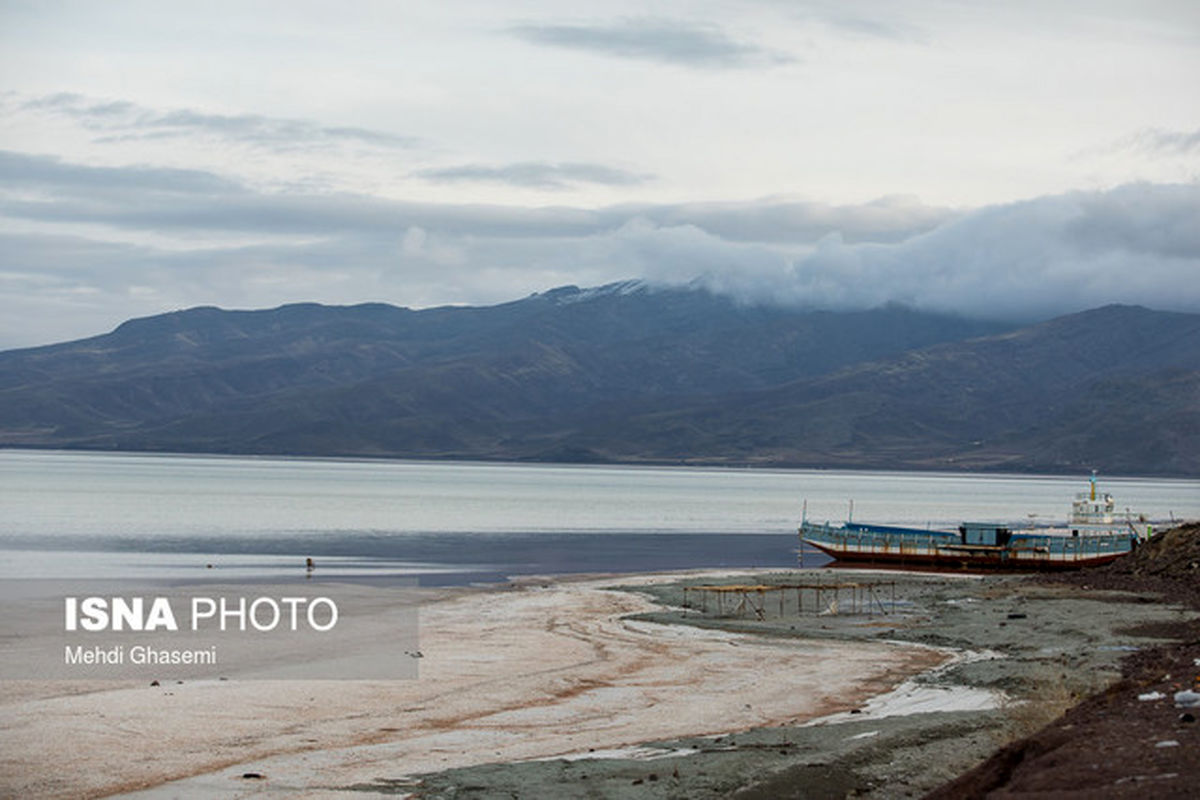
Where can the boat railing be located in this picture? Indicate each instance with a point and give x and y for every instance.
(884, 538)
(876, 538)
(1093, 544)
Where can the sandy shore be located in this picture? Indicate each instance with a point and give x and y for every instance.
(1022, 653)
(608, 687)
(531, 671)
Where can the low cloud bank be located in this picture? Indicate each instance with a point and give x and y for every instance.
(1030, 260)
(82, 248)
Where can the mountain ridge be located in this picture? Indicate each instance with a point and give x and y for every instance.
(626, 373)
(862, 415)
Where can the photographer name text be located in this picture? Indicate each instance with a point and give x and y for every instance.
(138, 655)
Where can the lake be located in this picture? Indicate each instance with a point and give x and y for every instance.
(125, 515)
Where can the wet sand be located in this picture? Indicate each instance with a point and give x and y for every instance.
(530, 671)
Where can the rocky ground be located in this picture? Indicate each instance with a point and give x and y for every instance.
(1131, 740)
(1027, 650)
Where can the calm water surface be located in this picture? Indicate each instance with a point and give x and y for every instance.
(114, 515)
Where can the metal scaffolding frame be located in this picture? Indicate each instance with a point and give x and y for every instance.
(826, 598)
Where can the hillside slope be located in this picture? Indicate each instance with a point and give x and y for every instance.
(376, 379)
(1116, 388)
(627, 373)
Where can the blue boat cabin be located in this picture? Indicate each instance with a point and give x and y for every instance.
(982, 533)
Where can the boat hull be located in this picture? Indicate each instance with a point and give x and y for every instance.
(890, 546)
(917, 558)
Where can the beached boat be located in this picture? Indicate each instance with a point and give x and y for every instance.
(1093, 535)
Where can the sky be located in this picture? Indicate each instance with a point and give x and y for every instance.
(1013, 160)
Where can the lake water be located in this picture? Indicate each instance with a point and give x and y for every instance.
(101, 515)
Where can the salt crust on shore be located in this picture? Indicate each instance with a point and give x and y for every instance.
(927, 695)
(544, 669)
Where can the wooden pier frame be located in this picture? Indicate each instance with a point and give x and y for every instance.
(841, 597)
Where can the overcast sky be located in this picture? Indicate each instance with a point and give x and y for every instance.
(1016, 159)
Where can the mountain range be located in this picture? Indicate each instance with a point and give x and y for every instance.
(627, 373)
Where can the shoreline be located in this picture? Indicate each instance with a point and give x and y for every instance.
(998, 469)
(537, 668)
(529, 684)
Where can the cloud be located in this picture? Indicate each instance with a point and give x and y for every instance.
(139, 198)
(536, 174)
(1161, 142)
(1139, 219)
(83, 248)
(117, 121)
(1021, 261)
(886, 219)
(650, 39)
(45, 189)
(870, 28)
(22, 169)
